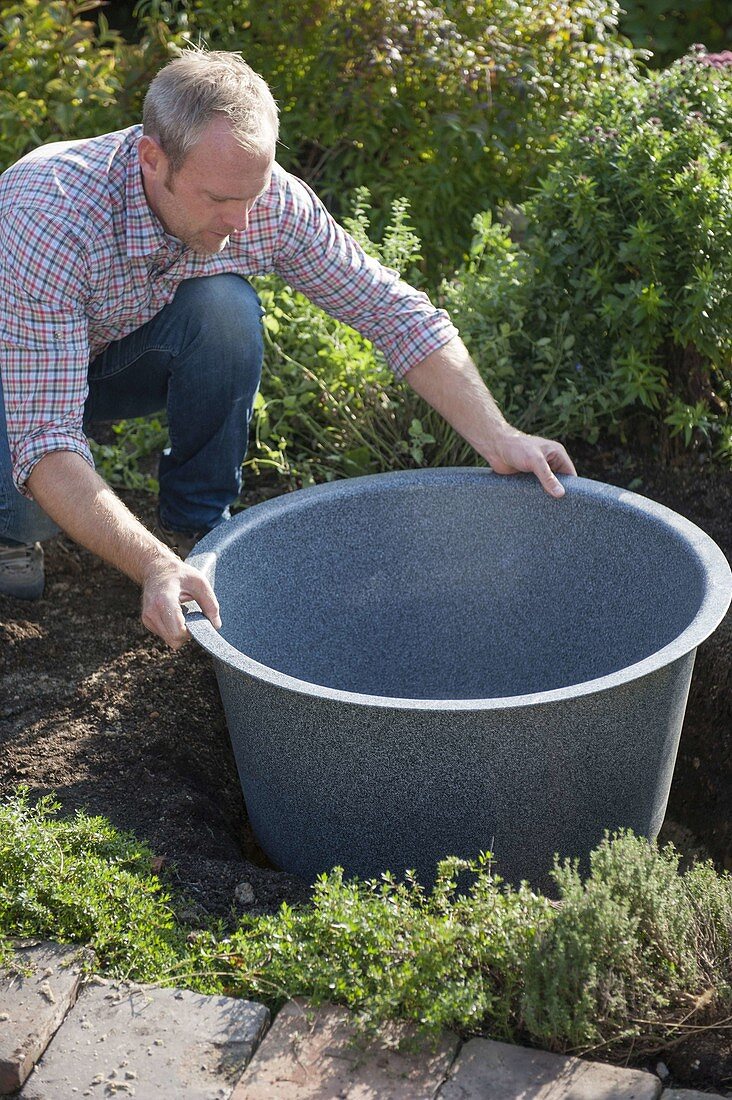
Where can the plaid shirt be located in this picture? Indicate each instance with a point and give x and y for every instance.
(84, 262)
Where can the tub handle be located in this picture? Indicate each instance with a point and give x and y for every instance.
(192, 613)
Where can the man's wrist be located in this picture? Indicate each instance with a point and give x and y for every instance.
(500, 436)
(156, 561)
(84, 506)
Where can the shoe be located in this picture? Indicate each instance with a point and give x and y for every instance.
(178, 541)
(21, 570)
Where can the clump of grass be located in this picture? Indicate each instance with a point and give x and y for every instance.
(630, 956)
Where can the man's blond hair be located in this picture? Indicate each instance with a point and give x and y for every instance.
(200, 85)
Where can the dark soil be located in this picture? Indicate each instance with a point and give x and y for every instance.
(96, 710)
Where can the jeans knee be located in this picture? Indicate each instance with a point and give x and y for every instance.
(217, 371)
(22, 520)
(225, 311)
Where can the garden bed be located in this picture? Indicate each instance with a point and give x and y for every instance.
(96, 710)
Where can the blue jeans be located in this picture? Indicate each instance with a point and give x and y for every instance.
(201, 359)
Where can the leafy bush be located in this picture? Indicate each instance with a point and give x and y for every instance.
(62, 77)
(454, 105)
(614, 313)
(329, 406)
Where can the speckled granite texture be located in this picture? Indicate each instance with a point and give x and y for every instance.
(443, 661)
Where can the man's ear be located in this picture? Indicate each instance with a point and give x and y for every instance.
(153, 161)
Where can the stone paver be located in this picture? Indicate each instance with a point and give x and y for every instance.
(32, 1005)
(125, 1040)
(688, 1094)
(316, 1054)
(486, 1070)
(130, 1040)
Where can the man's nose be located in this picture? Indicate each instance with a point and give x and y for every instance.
(239, 219)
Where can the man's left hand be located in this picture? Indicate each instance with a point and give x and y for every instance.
(449, 381)
(516, 453)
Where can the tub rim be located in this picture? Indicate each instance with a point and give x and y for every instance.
(713, 607)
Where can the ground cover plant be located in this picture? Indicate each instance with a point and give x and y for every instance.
(81, 881)
(632, 951)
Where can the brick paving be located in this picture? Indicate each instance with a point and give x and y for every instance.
(35, 996)
(486, 1070)
(109, 1039)
(128, 1040)
(315, 1053)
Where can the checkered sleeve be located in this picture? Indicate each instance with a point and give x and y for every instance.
(44, 345)
(316, 256)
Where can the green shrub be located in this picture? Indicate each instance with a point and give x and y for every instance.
(62, 77)
(329, 406)
(623, 948)
(454, 105)
(614, 313)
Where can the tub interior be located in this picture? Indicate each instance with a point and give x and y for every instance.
(449, 591)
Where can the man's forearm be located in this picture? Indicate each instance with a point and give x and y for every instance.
(449, 381)
(84, 506)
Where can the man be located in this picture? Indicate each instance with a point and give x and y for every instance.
(123, 262)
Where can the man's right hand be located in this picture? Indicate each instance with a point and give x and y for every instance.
(166, 587)
(81, 503)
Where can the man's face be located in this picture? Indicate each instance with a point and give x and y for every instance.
(211, 196)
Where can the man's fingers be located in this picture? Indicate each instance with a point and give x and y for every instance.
(560, 461)
(519, 453)
(551, 462)
(549, 482)
(163, 594)
(176, 634)
(198, 589)
(163, 615)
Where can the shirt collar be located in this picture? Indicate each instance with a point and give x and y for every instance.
(145, 235)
